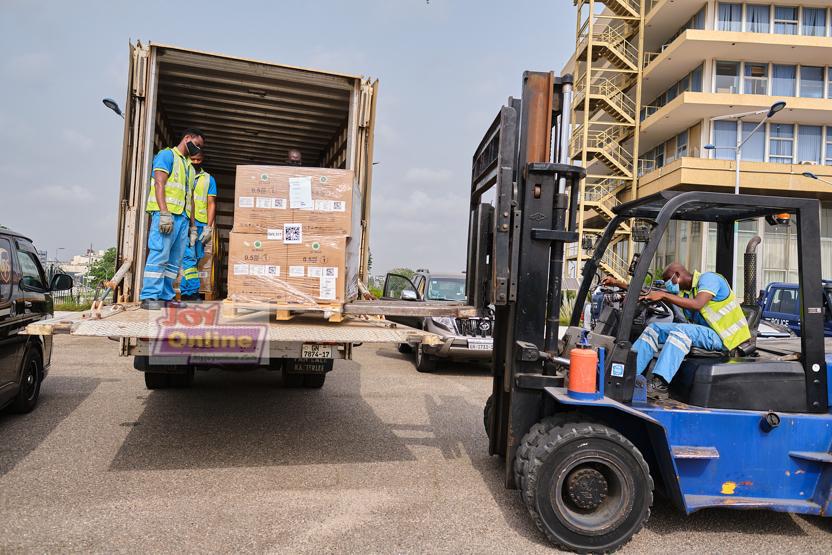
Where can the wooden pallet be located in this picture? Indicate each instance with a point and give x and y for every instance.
(283, 312)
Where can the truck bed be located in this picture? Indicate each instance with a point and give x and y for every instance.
(130, 321)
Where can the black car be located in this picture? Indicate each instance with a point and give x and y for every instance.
(25, 297)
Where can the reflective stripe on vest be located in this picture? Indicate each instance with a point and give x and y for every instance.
(200, 192)
(725, 317)
(176, 189)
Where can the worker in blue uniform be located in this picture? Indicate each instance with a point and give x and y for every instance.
(169, 223)
(204, 193)
(717, 324)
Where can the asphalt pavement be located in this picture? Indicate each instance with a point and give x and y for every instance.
(381, 460)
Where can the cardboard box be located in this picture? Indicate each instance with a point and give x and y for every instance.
(319, 200)
(205, 266)
(310, 272)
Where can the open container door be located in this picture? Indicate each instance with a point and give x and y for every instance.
(132, 190)
(363, 165)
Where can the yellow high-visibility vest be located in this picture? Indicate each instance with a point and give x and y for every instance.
(725, 317)
(199, 187)
(176, 188)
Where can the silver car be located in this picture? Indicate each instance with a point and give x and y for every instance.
(463, 339)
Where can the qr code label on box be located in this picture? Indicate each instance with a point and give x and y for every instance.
(331, 272)
(296, 271)
(314, 271)
(240, 269)
(293, 234)
(279, 203)
(274, 234)
(327, 292)
(339, 206)
(246, 202)
(273, 271)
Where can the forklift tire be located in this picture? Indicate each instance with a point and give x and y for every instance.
(424, 362)
(487, 411)
(587, 487)
(405, 348)
(314, 381)
(157, 380)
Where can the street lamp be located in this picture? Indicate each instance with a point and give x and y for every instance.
(769, 113)
(113, 105)
(810, 175)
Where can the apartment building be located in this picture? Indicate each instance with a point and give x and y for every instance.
(658, 80)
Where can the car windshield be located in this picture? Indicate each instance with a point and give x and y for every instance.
(446, 289)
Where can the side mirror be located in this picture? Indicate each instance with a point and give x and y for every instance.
(61, 282)
(409, 295)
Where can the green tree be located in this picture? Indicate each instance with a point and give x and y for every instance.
(406, 272)
(103, 269)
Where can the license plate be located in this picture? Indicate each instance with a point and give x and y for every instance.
(480, 345)
(310, 350)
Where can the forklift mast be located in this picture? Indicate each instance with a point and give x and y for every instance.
(516, 248)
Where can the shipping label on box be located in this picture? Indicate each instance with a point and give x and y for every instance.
(319, 199)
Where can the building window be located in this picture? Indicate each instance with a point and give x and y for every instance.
(730, 17)
(784, 81)
(757, 19)
(682, 144)
(754, 149)
(725, 139)
(696, 79)
(785, 20)
(727, 77)
(756, 79)
(811, 82)
(781, 143)
(809, 143)
(829, 146)
(814, 22)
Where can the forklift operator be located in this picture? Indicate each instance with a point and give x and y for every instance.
(718, 323)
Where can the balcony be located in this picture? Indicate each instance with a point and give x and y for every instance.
(691, 107)
(662, 69)
(719, 175)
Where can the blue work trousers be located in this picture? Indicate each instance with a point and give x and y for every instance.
(672, 342)
(164, 257)
(190, 283)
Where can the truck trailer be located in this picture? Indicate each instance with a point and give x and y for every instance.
(252, 113)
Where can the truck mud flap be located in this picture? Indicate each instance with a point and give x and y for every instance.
(309, 365)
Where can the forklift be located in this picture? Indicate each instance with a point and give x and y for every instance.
(749, 429)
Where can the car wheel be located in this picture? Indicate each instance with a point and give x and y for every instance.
(587, 487)
(424, 361)
(30, 379)
(405, 348)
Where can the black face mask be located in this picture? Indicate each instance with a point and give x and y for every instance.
(193, 150)
(197, 167)
(294, 163)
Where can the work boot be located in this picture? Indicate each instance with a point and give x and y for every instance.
(658, 388)
(191, 298)
(152, 304)
(175, 304)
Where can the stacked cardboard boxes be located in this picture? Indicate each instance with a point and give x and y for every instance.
(295, 236)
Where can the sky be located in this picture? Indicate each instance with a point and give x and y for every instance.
(445, 68)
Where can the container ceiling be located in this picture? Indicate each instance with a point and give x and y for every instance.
(251, 112)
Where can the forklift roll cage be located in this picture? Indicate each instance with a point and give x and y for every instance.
(725, 209)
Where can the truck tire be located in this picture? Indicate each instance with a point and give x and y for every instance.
(405, 348)
(157, 380)
(182, 381)
(314, 381)
(424, 362)
(587, 487)
(30, 379)
(290, 379)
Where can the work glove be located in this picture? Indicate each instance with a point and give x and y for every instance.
(165, 222)
(206, 235)
(192, 236)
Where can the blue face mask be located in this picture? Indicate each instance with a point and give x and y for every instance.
(672, 287)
